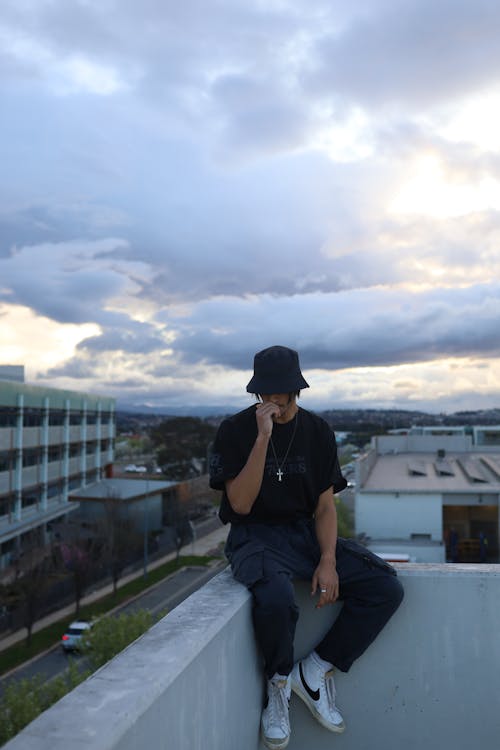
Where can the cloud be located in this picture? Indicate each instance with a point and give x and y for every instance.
(183, 184)
(73, 282)
(134, 338)
(357, 329)
(416, 53)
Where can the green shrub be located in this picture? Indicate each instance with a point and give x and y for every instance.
(24, 700)
(110, 635)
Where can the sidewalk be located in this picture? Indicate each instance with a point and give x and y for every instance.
(203, 546)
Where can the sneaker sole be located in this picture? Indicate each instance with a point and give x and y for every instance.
(274, 744)
(297, 689)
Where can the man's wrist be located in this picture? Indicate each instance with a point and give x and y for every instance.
(262, 438)
(329, 557)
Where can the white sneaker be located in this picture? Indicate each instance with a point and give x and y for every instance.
(319, 695)
(275, 724)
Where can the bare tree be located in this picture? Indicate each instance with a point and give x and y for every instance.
(120, 541)
(78, 554)
(34, 573)
(178, 517)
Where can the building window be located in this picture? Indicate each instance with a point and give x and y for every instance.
(55, 453)
(7, 505)
(32, 417)
(54, 489)
(74, 450)
(31, 457)
(6, 461)
(75, 418)
(75, 482)
(30, 497)
(56, 417)
(8, 417)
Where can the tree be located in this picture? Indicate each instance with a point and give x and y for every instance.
(34, 573)
(120, 541)
(179, 443)
(78, 554)
(177, 517)
(24, 700)
(111, 634)
(344, 519)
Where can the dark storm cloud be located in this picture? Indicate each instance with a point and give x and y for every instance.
(359, 329)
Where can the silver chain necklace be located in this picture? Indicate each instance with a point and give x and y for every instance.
(279, 472)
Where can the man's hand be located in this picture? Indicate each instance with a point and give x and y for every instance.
(326, 580)
(264, 414)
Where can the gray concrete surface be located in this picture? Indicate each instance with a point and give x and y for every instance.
(431, 680)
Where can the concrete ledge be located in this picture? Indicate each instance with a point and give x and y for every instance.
(186, 683)
(431, 679)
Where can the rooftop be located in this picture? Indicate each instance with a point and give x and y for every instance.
(426, 472)
(120, 489)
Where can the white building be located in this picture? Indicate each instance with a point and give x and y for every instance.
(432, 496)
(51, 443)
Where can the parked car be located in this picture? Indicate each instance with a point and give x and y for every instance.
(71, 639)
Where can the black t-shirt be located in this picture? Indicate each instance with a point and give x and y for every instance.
(310, 467)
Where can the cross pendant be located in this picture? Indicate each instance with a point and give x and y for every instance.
(279, 474)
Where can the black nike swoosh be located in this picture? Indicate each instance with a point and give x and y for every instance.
(314, 694)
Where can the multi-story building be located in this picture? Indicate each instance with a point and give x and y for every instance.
(51, 443)
(432, 494)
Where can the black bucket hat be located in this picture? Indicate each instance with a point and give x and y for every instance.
(276, 370)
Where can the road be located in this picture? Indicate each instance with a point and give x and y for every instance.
(164, 596)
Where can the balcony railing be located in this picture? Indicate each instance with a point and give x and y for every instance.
(431, 679)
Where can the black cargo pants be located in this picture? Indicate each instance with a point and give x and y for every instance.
(266, 559)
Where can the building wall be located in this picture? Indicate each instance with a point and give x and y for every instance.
(51, 442)
(421, 443)
(395, 515)
(129, 510)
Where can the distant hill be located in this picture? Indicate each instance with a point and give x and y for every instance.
(177, 411)
(346, 420)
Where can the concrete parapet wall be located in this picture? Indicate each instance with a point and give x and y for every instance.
(431, 680)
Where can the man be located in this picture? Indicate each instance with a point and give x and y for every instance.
(278, 469)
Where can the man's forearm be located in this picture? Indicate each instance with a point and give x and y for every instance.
(326, 526)
(242, 491)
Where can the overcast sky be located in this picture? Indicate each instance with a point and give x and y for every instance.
(185, 183)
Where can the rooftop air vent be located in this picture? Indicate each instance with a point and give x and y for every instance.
(417, 468)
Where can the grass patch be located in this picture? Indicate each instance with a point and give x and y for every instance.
(44, 639)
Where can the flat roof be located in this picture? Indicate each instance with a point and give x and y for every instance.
(425, 472)
(120, 489)
(34, 396)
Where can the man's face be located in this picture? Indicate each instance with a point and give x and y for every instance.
(284, 401)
